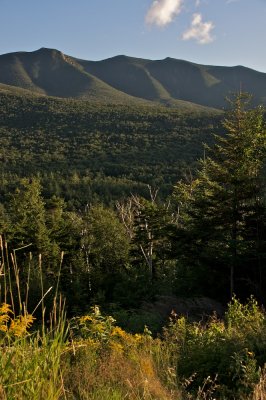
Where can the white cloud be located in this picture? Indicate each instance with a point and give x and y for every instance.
(199, 30)
(162, 12)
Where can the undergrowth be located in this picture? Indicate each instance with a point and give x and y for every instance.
(47, 357)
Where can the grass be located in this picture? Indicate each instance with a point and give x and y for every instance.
(30, 363)
(90, 357)
(30, 360)
(51, 358)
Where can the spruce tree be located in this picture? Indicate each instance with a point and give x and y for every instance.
(224, 207)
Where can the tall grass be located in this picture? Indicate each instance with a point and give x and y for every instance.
(50, 358)
(45, 357)
(30, 362)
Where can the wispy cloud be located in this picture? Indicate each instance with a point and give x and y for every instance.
(199, 30)
(162, 12)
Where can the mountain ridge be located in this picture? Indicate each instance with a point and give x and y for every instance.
(129, 80)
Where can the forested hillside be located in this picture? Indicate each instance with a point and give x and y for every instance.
(120, 193)
(121, 210)
(132, 200)
(84, 151)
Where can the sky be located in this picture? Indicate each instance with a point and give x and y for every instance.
(213, 32)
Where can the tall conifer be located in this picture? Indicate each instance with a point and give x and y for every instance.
(224, 211)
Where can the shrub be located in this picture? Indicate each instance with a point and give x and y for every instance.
(229, 352)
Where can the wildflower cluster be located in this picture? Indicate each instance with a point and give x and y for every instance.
(14, 326)
(97, 329)
(5, 312)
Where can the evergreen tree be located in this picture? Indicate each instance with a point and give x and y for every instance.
(28, 220)
(224, 207)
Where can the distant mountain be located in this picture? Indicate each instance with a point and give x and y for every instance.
(126, 80)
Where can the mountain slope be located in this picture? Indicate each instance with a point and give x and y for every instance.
(128, 80)
(128, 75)
(52, 73)
(170, 79)
(97, 149)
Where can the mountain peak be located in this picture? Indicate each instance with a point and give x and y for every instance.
(45, 51)
(49, 71)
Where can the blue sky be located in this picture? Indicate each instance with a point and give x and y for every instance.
(216, 32)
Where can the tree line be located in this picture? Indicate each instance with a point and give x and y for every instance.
(208, 238)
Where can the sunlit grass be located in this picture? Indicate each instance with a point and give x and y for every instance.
(89, 357)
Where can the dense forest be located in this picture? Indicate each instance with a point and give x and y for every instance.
(109, 206)
(144, 227)
(86, 152)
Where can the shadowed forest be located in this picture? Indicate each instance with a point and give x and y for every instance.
(111, 218)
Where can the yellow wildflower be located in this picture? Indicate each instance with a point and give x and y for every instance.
(5, 309)
(19, 325)
(137, 337)
(4, 317)
(3, 321)
(117, 331)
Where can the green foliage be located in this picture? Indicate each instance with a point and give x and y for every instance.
(27, 214)
(93, 326)
(86, 152)
(30, 362)
(226, 351)
(151, 224)
(94, 358)
(120, 258)
(223, 209)
(105, 239)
